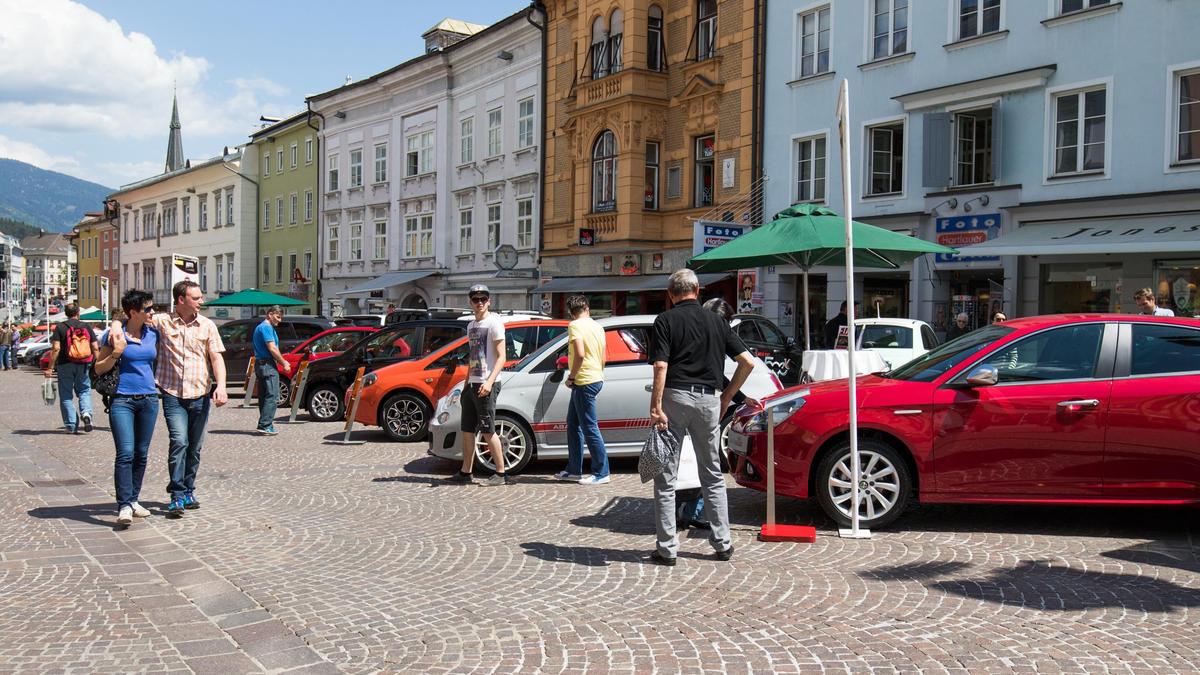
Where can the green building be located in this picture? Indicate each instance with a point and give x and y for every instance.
(282, 159)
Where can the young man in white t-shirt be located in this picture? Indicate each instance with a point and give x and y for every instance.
(485, 360)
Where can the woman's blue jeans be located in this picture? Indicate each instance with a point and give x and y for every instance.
(132, 423)
(582, 427)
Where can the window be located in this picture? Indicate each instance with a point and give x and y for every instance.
(1079, 131)
(232, 271)
(307, 265)
(356, 232)
(356, 168)
(220, 273)
(279, 268)
(1164, 350)
(266, 225)
(308, 206)
(295, 154)
(420, 153)
(525, 123)
(674, 182)
(814, 42)
(279, 212)
(266, 270)
(494, 214)
(217, 210)
(105, 258)
(228, 207)
(495, 133)
(1187, 116)
(466, 141)
(466, 218)
(810, 170)
(1068, 6)
(1067, 353)
(655, 46)
(604, 173)
(616, 33)
(266, 165)
(604, 56)
(279, 160)
(292, 213)
(885, 159)
(889, 28)
(203, 199)
(379, 242)
(978, 17)
(706, 29)
(125, 223)
(706, 169)
(332, 232)
(292, 269)
(381, 163)
(332, 180)
(203, 276)
(525, 223)
(973, 147)
(308, 150)
(418, 236)
(651, 198)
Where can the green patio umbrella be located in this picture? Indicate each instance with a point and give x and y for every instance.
(252, 297)
(97, 315)
(807, 235)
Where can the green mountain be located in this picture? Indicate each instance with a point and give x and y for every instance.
(48, 199)
(16, 228)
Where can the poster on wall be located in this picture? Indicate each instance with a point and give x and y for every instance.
(749, 296)
(961, 232)
(786, 313)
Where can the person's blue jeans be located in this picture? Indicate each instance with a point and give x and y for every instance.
(5, 363)
(582, 427)
(186, 420)
(268, 393)
(74, 380)
(132, 423)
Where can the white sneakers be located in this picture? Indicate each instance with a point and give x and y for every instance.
(563, 475)
(125, 516)
(140, 511)
(582, 480)
(593, 480)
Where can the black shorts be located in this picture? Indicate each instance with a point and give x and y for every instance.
(479, 414)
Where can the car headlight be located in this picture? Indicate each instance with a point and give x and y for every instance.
(369, 380)
(452, 399)
(782, 412)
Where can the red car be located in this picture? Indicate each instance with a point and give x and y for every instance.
(1069, 409)
(323, 344)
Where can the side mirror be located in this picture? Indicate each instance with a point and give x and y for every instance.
(983, 376)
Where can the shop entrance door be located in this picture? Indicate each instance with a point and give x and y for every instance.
(885, 296)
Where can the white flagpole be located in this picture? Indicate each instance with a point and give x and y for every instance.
(843, 114)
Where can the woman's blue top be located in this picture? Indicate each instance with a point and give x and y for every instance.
(137, 362)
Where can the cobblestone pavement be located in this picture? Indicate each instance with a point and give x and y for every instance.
(312, 557)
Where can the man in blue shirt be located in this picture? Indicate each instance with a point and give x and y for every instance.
(266, 355)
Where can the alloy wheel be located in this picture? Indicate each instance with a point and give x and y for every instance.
(512, 440)
(878, 488)
(324, 404)
(285, 390)
(404, 417)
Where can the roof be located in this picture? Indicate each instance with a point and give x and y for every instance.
(231, 157)
(519, 15)
(280, 125)
(48, 242)
(457, 26)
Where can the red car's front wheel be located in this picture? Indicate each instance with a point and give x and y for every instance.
(884, 485)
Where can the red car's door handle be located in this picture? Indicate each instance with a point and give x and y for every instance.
(1078, 405)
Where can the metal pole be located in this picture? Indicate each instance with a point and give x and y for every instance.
(770, 413)
(807, 332)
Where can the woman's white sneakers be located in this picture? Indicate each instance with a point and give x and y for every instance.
(125, 516)
(139, 511)
(593, 480)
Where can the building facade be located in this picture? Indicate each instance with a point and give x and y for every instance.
(12, 278)
(428, 167)
(95, 242)
(1011, 126)
(282, 157)
(50, 271)
(652, 130)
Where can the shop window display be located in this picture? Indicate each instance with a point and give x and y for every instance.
(1081, 287)
(1177, 286)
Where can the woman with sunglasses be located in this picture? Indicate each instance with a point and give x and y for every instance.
(134, 408)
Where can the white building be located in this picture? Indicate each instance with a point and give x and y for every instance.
(428, 167)
(50, 270)
(12, 277)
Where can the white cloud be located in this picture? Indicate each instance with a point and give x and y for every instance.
(66, 68)
(32, 154)
(117, 174)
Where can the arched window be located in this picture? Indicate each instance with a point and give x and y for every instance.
(604, 173)
(706, 29)
(616, 31)
(655, 46)
(599, 49)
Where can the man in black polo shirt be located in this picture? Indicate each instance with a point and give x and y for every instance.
(688, 350)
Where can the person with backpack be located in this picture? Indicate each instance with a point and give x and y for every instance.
(72, 351)
(134, 409)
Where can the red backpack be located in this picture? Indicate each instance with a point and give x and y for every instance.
(79, 344)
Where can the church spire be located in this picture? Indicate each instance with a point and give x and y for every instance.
(175, 159)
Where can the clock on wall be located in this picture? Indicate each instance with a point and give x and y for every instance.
(505, 256)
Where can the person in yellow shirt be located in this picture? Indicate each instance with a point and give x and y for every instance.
(585, 358)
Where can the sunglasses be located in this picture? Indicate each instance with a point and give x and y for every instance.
(480, 299)
(149, 309)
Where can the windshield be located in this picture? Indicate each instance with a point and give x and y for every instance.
(931, 365)
(534, 356)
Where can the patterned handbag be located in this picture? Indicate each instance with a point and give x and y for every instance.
(658, 453)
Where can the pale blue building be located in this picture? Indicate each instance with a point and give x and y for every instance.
(1063, 133)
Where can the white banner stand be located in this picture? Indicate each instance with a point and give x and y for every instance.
(772, 531)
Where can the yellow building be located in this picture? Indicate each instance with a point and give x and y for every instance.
(652, 124)
(95, 243)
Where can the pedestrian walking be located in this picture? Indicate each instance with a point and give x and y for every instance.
(1149, 305)
(688, 349)
(585, 377)
(72, 351)
(266, 355)
(190, 374)
(485, 360)
(134, 406)
(6, 345)
(16, 342)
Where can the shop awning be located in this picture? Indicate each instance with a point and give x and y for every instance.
(1173, 233)
(633, 284)
(386, 281)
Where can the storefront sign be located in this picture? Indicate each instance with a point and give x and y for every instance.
(707, 235)
(966, 230)
(631, 263)
(587, 236)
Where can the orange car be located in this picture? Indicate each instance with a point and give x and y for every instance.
(400, 397)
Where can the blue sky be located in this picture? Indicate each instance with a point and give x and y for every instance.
(85, 86)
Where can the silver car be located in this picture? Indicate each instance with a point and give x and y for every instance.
(531, 410)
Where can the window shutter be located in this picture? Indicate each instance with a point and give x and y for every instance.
(997, 145)
(936, 154)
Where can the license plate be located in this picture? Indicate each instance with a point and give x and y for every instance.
(738, 442)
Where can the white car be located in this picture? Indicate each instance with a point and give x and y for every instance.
(531, 410)
(40, 341)
(897, 341)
